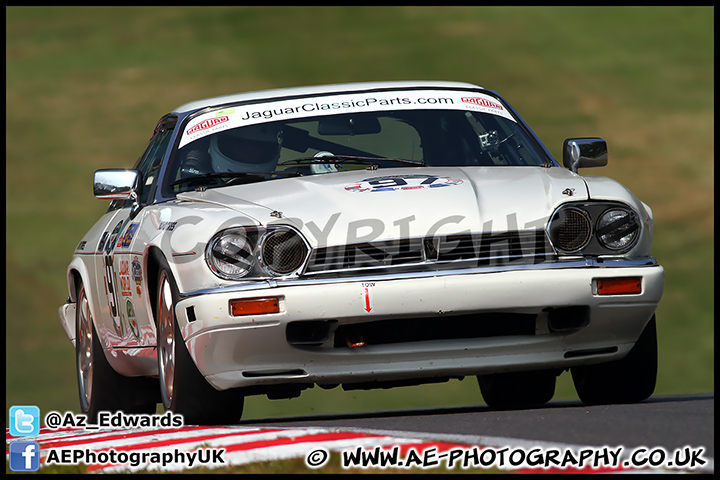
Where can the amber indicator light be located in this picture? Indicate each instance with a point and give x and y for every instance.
(619, 286)
(254, 306)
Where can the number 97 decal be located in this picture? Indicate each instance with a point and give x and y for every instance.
(401, 182)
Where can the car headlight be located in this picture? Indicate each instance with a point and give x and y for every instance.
(594, 228)
(256, 252)
(617, 228)
(231, 254)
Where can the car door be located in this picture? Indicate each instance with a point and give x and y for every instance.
(120, 259)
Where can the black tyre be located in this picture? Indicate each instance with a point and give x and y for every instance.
(100, 387)
(629, 380)
(183, 389)
(517, 389)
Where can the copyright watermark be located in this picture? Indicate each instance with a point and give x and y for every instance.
(506, 458)
(317, 458)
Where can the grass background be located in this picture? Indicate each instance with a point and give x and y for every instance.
(85, 86)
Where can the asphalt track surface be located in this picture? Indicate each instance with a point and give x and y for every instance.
(670, 422)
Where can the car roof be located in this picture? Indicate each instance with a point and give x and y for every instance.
(318, 89)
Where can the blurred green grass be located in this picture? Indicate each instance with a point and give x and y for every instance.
(85, 86)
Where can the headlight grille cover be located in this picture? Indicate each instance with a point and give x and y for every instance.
(571, 229)
(283, 251)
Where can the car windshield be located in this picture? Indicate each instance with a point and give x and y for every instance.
(223, 148)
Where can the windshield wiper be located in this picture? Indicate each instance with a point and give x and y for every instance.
(213, 175)
(354, 159)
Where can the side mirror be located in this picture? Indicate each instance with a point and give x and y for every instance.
(111, 184)
(584, 153)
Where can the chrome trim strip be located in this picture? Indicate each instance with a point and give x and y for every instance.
(576, 262)
(129, 347)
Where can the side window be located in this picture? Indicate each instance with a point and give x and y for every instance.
(150, 163)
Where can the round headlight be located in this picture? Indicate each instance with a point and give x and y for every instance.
(231, 255)
(570, 229)
(617, 228)
(283, 251)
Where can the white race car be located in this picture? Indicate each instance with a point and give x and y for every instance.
(367, 235)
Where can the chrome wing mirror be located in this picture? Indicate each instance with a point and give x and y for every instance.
(118, 184)
(584, 153)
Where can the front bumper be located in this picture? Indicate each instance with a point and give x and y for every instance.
(255, 350)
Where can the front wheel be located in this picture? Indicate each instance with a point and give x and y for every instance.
(629, 380)
(517, 389)
(100, 387)
(183, 389)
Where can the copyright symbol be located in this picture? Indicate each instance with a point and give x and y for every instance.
(316, 458)
(53, 420)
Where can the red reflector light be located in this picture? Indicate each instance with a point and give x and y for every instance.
(254, 306)
(619, 286)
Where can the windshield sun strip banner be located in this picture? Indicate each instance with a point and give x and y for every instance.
(243, 115)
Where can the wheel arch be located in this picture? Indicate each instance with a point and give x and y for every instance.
(77, 273)
(154, 258)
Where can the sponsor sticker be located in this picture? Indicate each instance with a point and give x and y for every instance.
(137, 274)
(206, 124)
(482, 102)
(308, 107)
(124, 278)
(125, 240)
(402, 183)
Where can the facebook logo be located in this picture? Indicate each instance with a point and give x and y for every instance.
(24, 420)
(24, 456)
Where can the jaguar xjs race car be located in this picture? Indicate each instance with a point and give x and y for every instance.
(366, 235)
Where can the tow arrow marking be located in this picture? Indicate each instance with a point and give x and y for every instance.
(367, 300)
